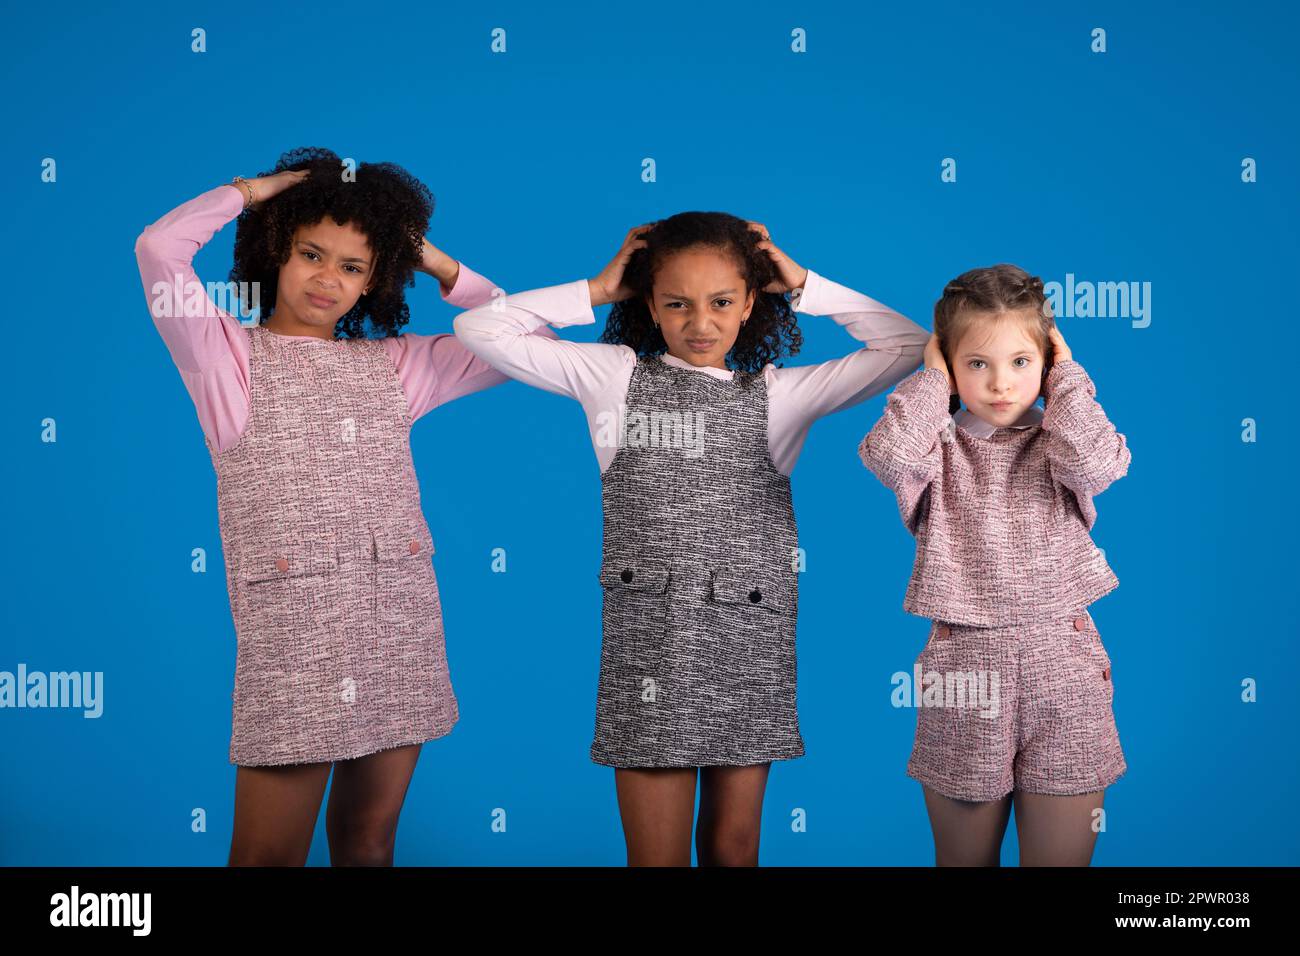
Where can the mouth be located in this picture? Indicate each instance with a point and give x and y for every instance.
(320, 301)
(701, 345)
(1001, 406)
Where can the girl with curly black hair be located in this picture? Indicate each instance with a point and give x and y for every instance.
(340, 659)
(696, 431)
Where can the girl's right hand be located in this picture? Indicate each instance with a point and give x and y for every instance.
(608, 286)
(933, 357)
(264, 187)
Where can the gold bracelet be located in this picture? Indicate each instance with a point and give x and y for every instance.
(252, 196)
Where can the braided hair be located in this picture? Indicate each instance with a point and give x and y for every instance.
(992, 289)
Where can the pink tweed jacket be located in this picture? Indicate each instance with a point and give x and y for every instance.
(1001, 516)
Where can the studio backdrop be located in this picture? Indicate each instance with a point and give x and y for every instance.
(1140, 158)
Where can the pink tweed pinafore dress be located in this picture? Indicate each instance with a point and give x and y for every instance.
(337, 618)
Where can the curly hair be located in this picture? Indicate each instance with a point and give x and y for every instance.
(769, 332)
(389, 205)
(996, 290)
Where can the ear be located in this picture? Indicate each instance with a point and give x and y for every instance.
(749, 305)
(650, 307)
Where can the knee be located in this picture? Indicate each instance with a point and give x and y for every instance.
(266, 856)
(362, 846)
(735, 845)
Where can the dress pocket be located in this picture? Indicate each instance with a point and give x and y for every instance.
(634, 618)
(753, 613)
(282, 592)
(405, 597)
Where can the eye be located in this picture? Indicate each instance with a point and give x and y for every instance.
(356, 269)
(723, 303)
(974, 362)
(1022, 359)
(308, 253)
(672, 304)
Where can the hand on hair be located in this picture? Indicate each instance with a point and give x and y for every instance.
(1060, 351)
(435, 262)
(608, 286)
(789, 275)
(264, 187)
(933, 357)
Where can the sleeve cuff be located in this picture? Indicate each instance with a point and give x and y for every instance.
(469, 289)
(232, 199)
(931, 380)
(558, 305)
(1067, 372)
(806, 299)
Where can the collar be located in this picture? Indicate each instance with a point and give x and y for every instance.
(725, 374)
(979, 428)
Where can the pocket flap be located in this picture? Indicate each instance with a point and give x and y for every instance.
(755, 587)
(635, 576)
(290, 560)
(401, 542)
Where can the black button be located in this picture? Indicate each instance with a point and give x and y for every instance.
(627, 576)
(755, 596)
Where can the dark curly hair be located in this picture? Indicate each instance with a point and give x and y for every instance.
(768, 333)
(385, 202)
(992, 289)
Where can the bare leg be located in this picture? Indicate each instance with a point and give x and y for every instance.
(364, 804)
(731, 815)
(967, 833)
(658, 808)
(275, 813)
(1056, 831)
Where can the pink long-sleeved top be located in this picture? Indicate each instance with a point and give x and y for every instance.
(1001, 516)
(597, 374)
(211, 349)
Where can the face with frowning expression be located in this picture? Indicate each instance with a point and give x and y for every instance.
(998, 367)
(699, 302)
(328, 269)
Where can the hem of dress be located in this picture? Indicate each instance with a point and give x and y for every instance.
(606, 759)
(351, 754)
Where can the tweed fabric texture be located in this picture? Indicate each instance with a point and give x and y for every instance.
(337, 616)
(700, 595)
(1051, 729)
(1001, 523)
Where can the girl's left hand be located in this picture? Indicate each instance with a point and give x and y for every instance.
(1060, 351)
(438, 264)
(789, 275)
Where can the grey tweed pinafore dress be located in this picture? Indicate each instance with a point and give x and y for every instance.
(337, 617)
(697, 662)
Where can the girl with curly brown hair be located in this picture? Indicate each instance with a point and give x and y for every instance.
(701, 557)
(340, 659)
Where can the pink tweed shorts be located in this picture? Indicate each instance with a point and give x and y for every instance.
(1021, 707)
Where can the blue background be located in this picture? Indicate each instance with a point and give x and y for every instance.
(1117, 166)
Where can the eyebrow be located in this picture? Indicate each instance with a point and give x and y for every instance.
(686, 298)
(980, 356)
(308, 242)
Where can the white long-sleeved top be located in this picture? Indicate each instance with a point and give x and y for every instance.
(597, 374)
